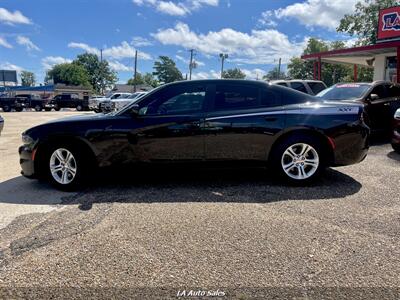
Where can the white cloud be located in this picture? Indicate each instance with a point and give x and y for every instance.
(125, 50)
(49, 61)
(119, 67)
(212, 74)
(321, 13)
(9, 66)
(254, 74)
(84, 47)
(24, 41)
(171, 8)
(176, 8)
(257, 47)
(267, 19)
(139, 41)
(11, 18)
(4, 43)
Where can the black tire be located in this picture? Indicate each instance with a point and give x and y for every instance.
(18, 109)
(47, 109)
(79, 107)
(6, 108)
(57, 108)
(81, 163)
(300, 167)
(396, 147)
(38, 108)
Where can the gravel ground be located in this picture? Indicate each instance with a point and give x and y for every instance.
(233, 232)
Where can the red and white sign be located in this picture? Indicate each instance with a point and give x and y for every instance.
(389, 23)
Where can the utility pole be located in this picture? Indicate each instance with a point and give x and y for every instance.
(191, 64)
(279, 68)
(223, 56)
(135, 74)
(101, 72)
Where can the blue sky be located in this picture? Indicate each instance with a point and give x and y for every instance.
(34, 35)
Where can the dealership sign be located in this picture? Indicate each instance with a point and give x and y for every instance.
(389, 23)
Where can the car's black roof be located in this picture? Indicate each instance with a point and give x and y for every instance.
(233, 81)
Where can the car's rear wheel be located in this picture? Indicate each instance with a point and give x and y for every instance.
(6, 108)
(299, 159)
(396, 147)
(79, 107)
(66, 167)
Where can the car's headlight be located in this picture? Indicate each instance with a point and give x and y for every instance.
(26, 139)
(397, 114)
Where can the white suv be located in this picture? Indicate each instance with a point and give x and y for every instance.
(95, 103)
(311, 87)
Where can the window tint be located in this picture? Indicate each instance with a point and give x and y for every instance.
(177, 100)
(298, 86)
(229, 97)
(316, 87)
(282, 84)
(393, 90)
(380, 91)
(269, 98)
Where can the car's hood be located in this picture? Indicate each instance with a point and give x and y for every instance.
(79, 118)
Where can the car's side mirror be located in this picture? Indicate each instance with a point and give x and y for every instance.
(373, 97)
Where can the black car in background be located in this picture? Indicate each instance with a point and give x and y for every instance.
(8, 104)
(293, 133)
(32, 101)
(67, 101)
(380, 98)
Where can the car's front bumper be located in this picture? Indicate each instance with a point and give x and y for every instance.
(396, 132)
(26, 161)
(351, 147)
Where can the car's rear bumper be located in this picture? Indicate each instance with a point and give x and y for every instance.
(396, 132)
(351, 147)
(26, 162)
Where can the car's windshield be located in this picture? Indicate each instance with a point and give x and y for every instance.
(344, 91)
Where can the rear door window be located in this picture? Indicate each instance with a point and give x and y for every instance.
(235, 97)
(269, 98)
(298, 86)
(316, 87)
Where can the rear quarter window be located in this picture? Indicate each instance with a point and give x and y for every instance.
(298, 86)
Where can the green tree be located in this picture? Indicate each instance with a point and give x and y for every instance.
(235, 73)
(139, 80)
(27, 78)
(166, 71)
(363, 23)
(100, 74)
(274, 74)
(70, 74)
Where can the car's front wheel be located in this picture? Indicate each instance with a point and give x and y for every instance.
(299, 159)
(65, 167)
(38, 108)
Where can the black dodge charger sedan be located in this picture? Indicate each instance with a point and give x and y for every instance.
(292, 133)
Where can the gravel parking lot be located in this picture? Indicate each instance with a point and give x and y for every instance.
(236, 231)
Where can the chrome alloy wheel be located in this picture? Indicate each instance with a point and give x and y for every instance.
(300, 161)
(63, 166)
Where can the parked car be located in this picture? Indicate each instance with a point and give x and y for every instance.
(380, 98)
(396, 131)
(95, 103)
(11, 103)
(204, 120)
(119, 103)
(67, 101)
(311, 87)
(33, 101)
(1, 124)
